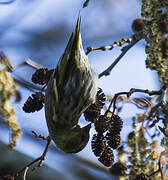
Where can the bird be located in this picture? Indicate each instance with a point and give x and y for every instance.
(70, 91)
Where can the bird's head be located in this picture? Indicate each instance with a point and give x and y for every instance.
(74, 140)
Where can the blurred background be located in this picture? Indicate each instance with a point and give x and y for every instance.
(39, 30)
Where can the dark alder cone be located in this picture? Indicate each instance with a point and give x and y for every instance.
(42, 76)
(118, 168)
(92, 114)
(94, 110)
(101, 125)
(107, 157)
(98, 144)
(141, 176)
(34, 103)
(116, 124)
(113, 140)
(138, 25)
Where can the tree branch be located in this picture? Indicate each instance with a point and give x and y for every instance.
(135, 39)
(128, 94)
(40, 159)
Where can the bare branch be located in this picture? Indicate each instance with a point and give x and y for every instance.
(30, 63)
(135, 39)
(26, 84)
(40, 159)
(110, 47)
(25, 172)
(128, 94)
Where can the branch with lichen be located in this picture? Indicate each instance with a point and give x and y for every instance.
(110, 47)
(155, 31)
(8, 90)
(144, 157)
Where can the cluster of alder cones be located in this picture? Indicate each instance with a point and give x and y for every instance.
(108, 128)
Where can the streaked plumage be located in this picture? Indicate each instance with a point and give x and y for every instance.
(71, 89)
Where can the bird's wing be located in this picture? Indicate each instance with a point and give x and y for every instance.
(62, 64)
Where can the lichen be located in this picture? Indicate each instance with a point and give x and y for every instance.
(156, 15)
(8, 89)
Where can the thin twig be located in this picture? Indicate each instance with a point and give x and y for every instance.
(40, 159)
(109, 47)
(30, 63)
(150, 93)
(10, 68)
(26, 84)
(17, 78)
(25, 172)
(128, 94)
(163, 131)
(113, 101)
(27, 166)
(43, 157)
(39, 136)
(155, 172)
(136, 38)
(159, 168)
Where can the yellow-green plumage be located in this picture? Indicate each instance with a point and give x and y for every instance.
(71, 89)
